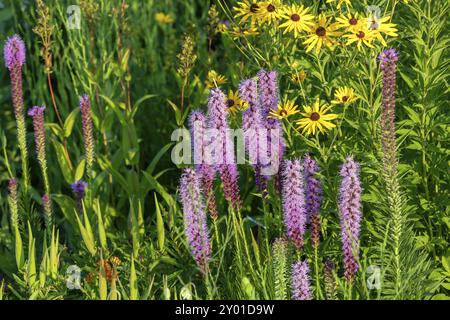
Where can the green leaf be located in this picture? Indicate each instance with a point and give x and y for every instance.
(159, 225)
(62, 160)
(79, 171)
(70, 121)
(134, 293)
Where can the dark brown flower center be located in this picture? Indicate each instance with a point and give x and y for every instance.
(361, 35)
(353, 21)
(283, 113)
(295, 17)
(230, 103)
(314, 116)
(345, 98)
(321, 32)
(254, 8)
(271, 8)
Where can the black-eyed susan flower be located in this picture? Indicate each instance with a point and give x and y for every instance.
(163, 18)
(247, 10)
(298, 77)
(350, 22)
(322, 34)
(284, 110)
(344, 95)
(361, 36)
(296, 19)
(315, 118)
(270, 11)
(239, 32)
(381, 26)
(214, 79)
(340, 3)
(235, 103)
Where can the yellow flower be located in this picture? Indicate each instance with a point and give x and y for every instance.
(163, 18)
(298, 19)
(222, 27)
(115, 261)
(284, 110)
(361, 36)
(344, 95)
(270, 11)
(214, 79)
(348, 3)
(298, 77)
(316, 118)
(350, 22)
(238, 32)
(381, 25)
(235, 103)
(321, 34)
(248, 10)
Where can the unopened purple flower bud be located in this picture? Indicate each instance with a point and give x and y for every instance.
(79, 190)
(48, 210)
(350, 215)
(301, 288)
(86, 121)
(13, 200)
(294, 208)
(330, 282)
(313, 193)
(196, 228)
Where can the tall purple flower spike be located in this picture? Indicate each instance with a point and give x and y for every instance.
(313, 193)
(252, 126)
(224, 155)
(14, 52)
(268, 99)
(196, 228)
(388, 64)
(294, 207)
(301, 289)
(86, 122)
(350, 215)
(205, 170)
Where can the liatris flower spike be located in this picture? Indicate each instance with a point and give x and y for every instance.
(301, 289)
(48, 211)
(14, 54)
(13, 202)
(351, 215)
(205, 169)
(330, 282)
(313, 193)
(79, 190)
(281, 265)
(294, 208)
(86, 121)
(196, 228)
(37, 113)
(217, 119)
(252, 126)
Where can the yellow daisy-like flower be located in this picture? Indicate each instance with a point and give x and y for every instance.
(322, 34)
(381, 25)
(163, 18)
(348, 3)
(284, 110)
(344, 95)
(214, 79)
(350, 22)
(238, 32)
(235, 103)
(298, 77)
(248, 10)
(316, 118)
(270, 11)
(361, 36)
(298, 19)
(222, 27)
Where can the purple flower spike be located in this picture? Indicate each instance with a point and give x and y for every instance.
(196, 228)
(14, 52)
(79, 190)
(48, 210)
(253, 127)
(224, 151)
(294, 208)
(313, 193)
(86, 122)
(205, 170)
(351, 215)
(301, 289)
(388, 64)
